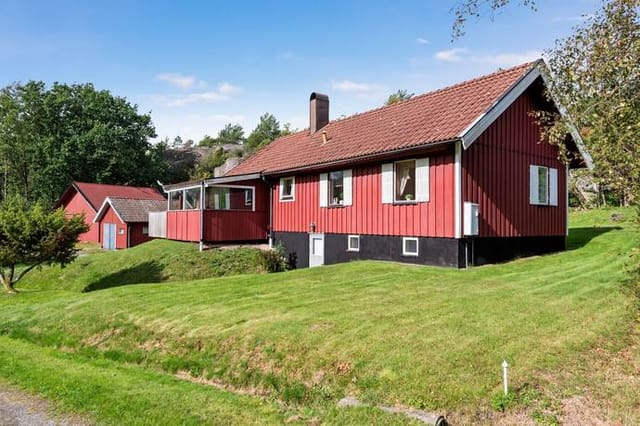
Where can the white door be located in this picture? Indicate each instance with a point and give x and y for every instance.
(109, 236)
(316, 250)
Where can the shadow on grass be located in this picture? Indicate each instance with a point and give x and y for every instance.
(580, 237)
(147, 272)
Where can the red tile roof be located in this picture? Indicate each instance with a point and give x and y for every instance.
(96, 193)
(433, 117)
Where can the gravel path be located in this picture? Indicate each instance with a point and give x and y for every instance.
(18, 409)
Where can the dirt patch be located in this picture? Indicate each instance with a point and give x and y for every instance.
(219, 384)
(99, 338)
(579, 410)
(18, 408)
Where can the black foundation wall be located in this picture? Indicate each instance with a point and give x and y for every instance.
(431, 251)
(481, 251)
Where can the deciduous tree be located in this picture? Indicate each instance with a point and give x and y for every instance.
(399, 96)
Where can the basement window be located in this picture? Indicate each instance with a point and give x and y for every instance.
(353, 243)
(287, 188)
(409, 246)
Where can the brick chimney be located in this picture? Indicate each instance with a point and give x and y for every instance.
(318, 111)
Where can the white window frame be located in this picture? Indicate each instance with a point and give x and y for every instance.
(349, 247)
(324, 189)
(421, 191)
(404, 246)
(287, 198)
(551, 192)
(228, 197)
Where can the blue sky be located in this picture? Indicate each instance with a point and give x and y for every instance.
(196, 65)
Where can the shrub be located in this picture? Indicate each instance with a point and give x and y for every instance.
(274, 260)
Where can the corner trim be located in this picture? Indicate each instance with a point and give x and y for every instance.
(457, 220)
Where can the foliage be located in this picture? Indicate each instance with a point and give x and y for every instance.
(501, 402)
(267, 130)
(475, 8)
(51, 136)
(275, 260)
(204, 169)
(399, 96)
(230, 134)
(31, 236)
(596, 78)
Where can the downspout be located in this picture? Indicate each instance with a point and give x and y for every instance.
(201, 244)
(270, 234)
(128, 235)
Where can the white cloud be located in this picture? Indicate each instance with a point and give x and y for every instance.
(508, 59)
(352, 86)
(572, 18)
(181, 81)
(223, 92)
(451, 55)
(421, 40)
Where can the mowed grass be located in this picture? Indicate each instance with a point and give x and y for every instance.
(386, 333)
(152, 262)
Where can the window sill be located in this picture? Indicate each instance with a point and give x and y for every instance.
(286, 200)
(352, 251)
(401, 203)
(336, 206)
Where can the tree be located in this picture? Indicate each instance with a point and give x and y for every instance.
(207, 141)
(231, 134)
(49, 137)
(475, 8)
(267, 130)
(597, 79)
(204, 169)
(31, 236)
(399, 96)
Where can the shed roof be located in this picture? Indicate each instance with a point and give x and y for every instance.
(95, 193)
(131, 210)
(438, 116)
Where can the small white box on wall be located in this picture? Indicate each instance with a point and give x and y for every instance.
(471, 218)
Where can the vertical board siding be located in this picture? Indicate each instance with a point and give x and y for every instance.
(224, 225)
(78, 205)
(135, 234)
(110, 217)
(368, 215)
(495, 174)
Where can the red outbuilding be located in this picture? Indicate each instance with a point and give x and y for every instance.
(123, 222)
(459, 176)
(87, 198)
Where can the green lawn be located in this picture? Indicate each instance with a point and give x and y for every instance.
(152, 262)
(386, 333)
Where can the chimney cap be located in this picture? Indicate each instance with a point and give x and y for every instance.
(319, 96)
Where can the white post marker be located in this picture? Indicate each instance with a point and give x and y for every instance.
(505, 376)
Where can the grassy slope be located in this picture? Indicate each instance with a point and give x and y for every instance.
(385, 332)
(152, 262)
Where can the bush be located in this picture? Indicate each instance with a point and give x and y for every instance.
(274, 260)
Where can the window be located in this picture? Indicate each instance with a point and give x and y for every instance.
(228, 198)
(120, 231)
(145, 230)
(405, 181)
(287, 189)
(409, 246)
(353, 243)
(336, 188)
(543, 185)
(175, 200)
(192, 199)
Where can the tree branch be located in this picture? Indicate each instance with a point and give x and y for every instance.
(24, 271)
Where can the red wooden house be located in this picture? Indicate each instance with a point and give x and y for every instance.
(454, 177)
(88, 198)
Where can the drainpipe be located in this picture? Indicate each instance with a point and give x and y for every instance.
(264, 179)
(201, 244)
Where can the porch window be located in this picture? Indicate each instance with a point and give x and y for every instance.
(287, 188)
(228, 198)
(192, 199)
(175, 200)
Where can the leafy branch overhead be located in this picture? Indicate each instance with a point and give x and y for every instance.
(597, 78)
(465, 9)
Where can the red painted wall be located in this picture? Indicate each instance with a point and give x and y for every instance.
(224, 225)
(121, 228)
(135, 234)
(367, 214)
(76, 205)
(495, 174)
